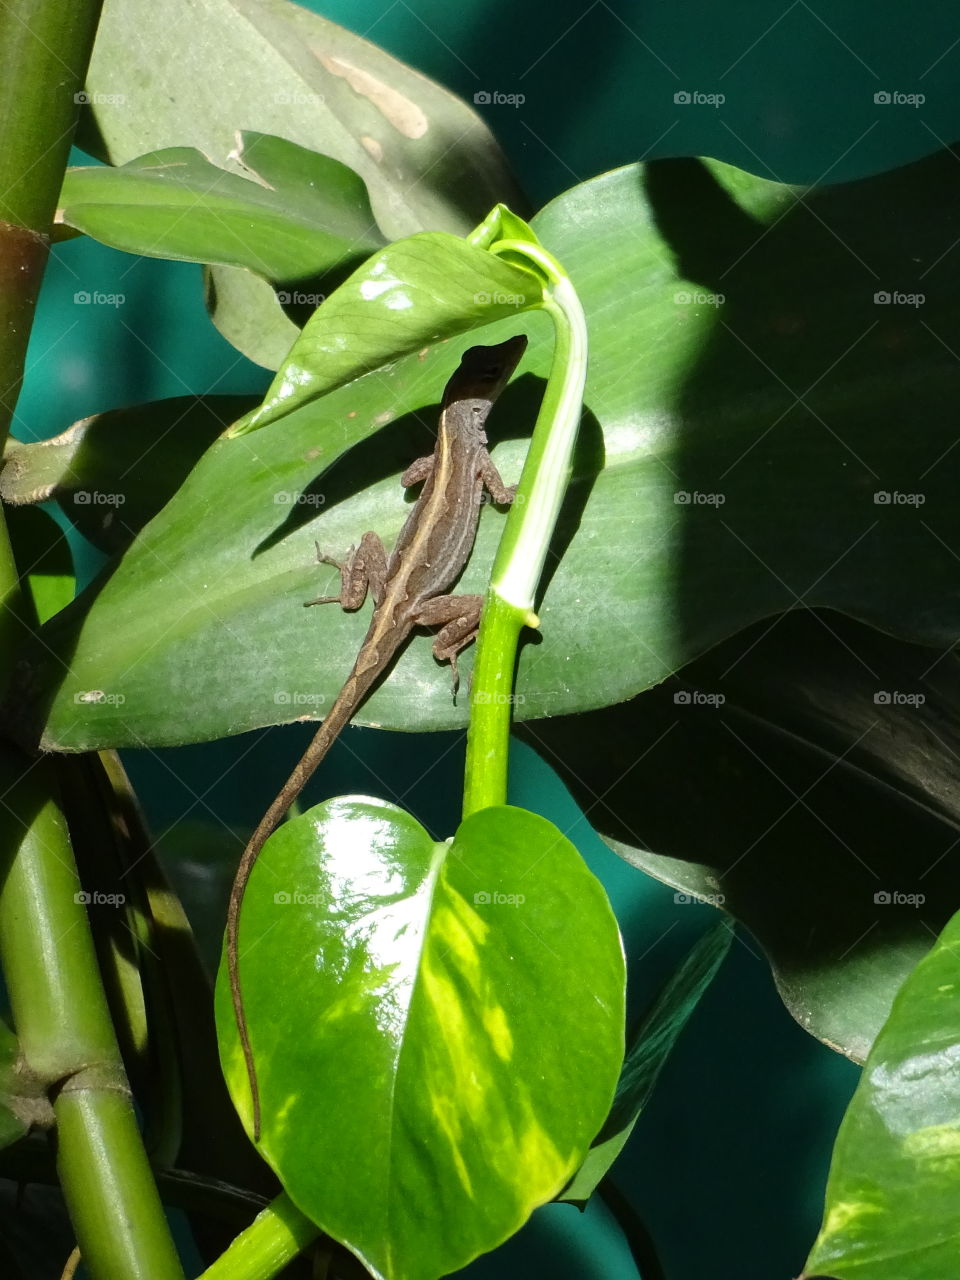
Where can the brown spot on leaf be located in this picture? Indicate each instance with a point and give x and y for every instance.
(405, 116)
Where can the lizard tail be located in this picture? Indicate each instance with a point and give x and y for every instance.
(352, 693)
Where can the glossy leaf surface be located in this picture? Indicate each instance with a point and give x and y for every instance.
(437, 1028)
(891, 1205)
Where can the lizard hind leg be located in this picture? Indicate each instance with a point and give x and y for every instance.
(458, 618)
(365, 567)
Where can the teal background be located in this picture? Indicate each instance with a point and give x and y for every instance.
(727, 1166)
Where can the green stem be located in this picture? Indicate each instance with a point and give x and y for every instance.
(272, 1240)
(44, 50)
(108, 1184)
(67, 1039)
(526, 539)
(48, 957)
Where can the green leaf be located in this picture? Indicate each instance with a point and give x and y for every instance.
(43, 558)
(294, 215)
(682, 398)
(437, 1028)
(408, 295)
(248, 313)
(164, 76)
(113, 472)
(651, 1047)
(891, 1203)
(801, 775)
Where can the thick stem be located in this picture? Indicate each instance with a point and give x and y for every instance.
(108, 1185)
(48, 957)
(66, 1036)
(44, 50)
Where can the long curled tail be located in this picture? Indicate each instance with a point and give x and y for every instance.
(350, 697)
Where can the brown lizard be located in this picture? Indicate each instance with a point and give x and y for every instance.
(408, 590)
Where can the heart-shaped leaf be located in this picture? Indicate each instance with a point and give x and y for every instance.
(891, 1203)
(295, 215)
(437, 1028)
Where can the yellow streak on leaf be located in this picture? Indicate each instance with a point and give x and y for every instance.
(498, 1029)
(939, 1142)
(846, 1212)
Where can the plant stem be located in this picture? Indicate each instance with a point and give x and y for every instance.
(525, 541)
(107, 1183)
(49, 962)
(66, 1036)
(273, 1239)
(44, 50)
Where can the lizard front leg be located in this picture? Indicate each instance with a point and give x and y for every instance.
(364, 568)
(418, 470)
(501, 493)
(458, 618)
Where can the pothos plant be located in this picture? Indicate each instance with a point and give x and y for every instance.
(438, 1024)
